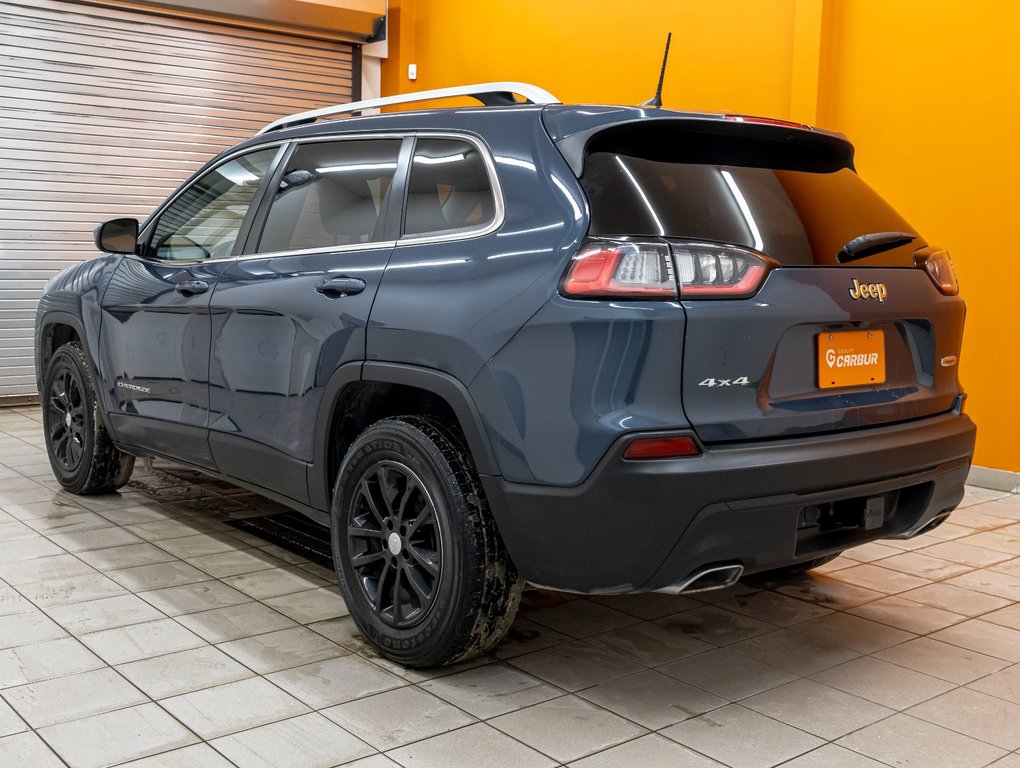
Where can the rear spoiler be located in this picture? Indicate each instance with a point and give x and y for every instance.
(712, 141)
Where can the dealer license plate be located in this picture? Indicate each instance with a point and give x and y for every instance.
(851, 359)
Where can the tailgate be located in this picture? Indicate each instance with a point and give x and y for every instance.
(765, 367)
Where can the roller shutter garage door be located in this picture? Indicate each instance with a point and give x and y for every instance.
(104, 111)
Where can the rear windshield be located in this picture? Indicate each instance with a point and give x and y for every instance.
(799, 218)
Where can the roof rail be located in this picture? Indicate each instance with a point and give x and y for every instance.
(489, 94)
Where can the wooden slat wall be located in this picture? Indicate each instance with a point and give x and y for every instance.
(104, 111)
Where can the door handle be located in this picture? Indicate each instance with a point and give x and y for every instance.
(337, 287)
(191, 287)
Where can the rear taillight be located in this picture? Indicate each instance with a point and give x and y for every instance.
(620, 269)
(940, 269)
(649, 270)
(710, 271)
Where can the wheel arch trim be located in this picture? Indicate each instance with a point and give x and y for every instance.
(453, 391)
(45, 323)
(58, 317)
(438, 383)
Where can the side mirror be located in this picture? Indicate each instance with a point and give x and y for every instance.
(117, 236)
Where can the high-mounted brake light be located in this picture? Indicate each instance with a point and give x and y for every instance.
(662, 448)
(766, 121)
(620, 269)
(938, 265)
(715, 271)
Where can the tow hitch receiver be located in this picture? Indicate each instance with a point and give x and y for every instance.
(843, 523)
(867, 513)
(874, 513)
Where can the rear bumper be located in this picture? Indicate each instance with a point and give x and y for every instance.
(646, 525)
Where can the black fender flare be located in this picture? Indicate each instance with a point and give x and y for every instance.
(438, 383)
(59, 318)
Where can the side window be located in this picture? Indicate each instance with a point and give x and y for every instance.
(331, 194)
(204, 221)
(448, 189)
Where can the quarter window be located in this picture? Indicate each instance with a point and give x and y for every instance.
(203, 222)
(331, 194)
(449, 189)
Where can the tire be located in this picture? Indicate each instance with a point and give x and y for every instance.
(457, 590)
(82, 455)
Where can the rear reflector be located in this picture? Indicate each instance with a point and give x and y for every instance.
(940, 269)
(661, 448)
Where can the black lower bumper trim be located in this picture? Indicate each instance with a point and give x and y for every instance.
(647, 525)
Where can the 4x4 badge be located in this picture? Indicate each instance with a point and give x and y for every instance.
(740, 381)
(864, 291)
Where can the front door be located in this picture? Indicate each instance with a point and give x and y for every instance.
(155, 335)
(295, 306)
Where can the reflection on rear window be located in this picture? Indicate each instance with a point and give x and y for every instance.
(798, 218)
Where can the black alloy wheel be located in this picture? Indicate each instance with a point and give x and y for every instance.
(66, 418)
(420, 562)
(395, 544)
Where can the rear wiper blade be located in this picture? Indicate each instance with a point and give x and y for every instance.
(872, 243)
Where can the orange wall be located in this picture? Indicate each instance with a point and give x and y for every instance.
(929, 91)
(926, 89)
(587, 51)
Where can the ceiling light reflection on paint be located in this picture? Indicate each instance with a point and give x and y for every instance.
(517, 233)
(570, 198)
(519, 253)
(434, 263)
(503, 160)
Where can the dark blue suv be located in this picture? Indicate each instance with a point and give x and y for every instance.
(601, 349)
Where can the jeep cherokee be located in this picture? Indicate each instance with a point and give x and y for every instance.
(601, 349)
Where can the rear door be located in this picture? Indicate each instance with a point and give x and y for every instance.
(295, 306)
(155, 335)
(825, 344)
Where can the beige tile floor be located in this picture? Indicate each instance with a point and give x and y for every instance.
(142, 629)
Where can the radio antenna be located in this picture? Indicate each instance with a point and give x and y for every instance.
(656, 100)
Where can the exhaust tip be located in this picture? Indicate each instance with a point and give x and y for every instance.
(934, 523)
(931, 525)
(713, 577)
